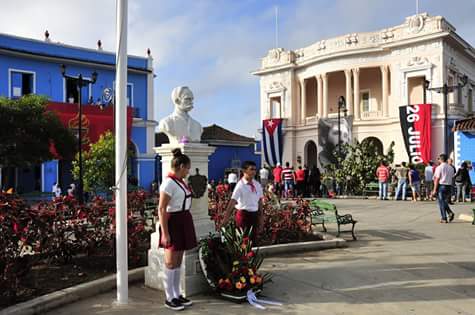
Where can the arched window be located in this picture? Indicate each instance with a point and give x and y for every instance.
(376, 143)
(311, 154)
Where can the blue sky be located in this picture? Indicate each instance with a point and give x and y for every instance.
(213, 45)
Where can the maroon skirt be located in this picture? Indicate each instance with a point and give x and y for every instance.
(246, 219)
(181, 230)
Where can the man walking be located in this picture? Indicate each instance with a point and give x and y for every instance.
(401, 174)
(382, 172)
(443, 177)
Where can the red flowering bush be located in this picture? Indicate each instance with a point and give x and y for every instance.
(56, 231)
(283, 223)
(18, 243)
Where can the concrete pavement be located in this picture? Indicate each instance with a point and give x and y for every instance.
(404, 262)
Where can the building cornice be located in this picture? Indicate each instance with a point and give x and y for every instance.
(73, 61)
(416, 29)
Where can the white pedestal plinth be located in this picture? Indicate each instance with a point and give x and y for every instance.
(192, 282)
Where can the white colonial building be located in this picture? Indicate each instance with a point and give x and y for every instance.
(376, 72)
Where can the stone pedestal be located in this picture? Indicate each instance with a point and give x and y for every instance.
(192, 281)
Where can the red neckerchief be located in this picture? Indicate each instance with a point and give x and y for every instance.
(173, 176)
(250, 183)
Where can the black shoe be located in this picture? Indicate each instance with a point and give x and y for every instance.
(175, 305)
(184, 301)
(451, 217)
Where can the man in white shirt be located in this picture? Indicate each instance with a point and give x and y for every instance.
(264, 176)
(246, 198)
(232, 180)
(443, 177)
(56, 190)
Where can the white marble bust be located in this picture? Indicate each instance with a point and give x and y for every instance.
(179, 126)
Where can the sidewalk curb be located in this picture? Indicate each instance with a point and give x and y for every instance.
(53, 300)
(327, 243)
(69, 295)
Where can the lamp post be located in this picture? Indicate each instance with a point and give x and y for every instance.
(341, 106)
(80, 83)
(445, 89)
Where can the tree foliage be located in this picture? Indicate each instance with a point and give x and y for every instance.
(27, 131)
(357, 165)
(98, 164)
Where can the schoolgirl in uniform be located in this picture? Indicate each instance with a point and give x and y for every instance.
(247, 198)
(177, 231)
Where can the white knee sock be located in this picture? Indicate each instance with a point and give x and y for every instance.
(168, 281)
(176, 283)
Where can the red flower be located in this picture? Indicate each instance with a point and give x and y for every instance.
(15, 227)
(251, 254)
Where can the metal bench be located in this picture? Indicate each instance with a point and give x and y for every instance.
(324, 212)
(370, 188)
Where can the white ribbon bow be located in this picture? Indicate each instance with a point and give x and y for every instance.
(254, 301)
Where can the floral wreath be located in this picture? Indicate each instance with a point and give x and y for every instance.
(230, 264)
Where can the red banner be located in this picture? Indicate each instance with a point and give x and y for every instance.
(95, 120)
(416, 125)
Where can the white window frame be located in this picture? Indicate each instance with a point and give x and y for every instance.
(10, 70)
(131, 92)
(65, 97)
(370, 107)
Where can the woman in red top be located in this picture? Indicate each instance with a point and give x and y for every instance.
(300, 180)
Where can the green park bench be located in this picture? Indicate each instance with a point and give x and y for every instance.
(371, 188)
(324, 212)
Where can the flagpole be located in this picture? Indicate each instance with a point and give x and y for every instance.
(276, 27)
(120, 153)
(417, 7)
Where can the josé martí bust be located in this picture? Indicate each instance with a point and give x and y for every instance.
(185, 133)
(180, 126)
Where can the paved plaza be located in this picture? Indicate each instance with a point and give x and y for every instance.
(404, 262)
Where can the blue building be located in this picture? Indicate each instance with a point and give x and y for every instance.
(464, 138)
(33, 66)
(231, 150)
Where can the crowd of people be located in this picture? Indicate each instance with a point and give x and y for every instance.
(394, 181)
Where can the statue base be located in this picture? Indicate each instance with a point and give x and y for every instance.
(192, 281)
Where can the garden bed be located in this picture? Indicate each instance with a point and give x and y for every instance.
(46, 278)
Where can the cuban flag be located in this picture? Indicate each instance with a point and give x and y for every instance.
(272, 141)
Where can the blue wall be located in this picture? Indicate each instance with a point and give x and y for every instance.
(467, 151)
(49, 81)
(222, 157)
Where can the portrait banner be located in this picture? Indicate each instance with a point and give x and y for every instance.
(416, 127)
(328, 137)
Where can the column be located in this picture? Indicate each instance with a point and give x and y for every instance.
(385, 88)
(303, 105)
(349, 97)
(325, 95)
(356, 92)
(319, 95)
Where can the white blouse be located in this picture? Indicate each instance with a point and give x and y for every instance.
(176, 194)
(245, 197)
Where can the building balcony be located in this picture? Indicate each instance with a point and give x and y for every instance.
(456, 109)
(370, 115)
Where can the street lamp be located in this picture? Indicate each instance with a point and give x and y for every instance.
(80, 83)
(341, 106)
(445, 89)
